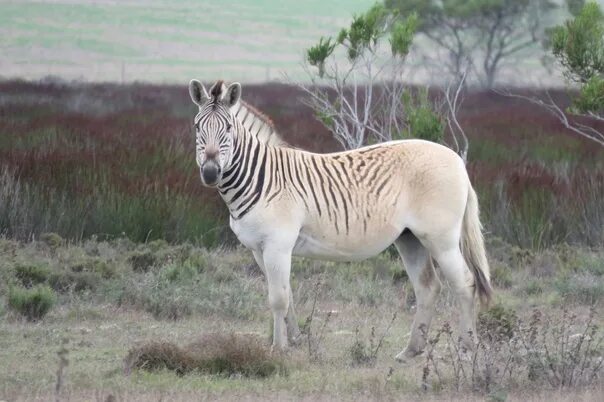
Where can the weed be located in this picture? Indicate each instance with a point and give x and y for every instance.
(559, 352)
(364, 353)
(33, 304)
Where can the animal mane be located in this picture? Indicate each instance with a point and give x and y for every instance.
(258, 124)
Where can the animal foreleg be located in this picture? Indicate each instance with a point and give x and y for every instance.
(291, 321)
(278, 265)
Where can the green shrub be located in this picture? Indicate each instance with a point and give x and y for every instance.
(64, 281)
(31, 275)
(142, 261)
(94, 265)
(52, 240)
(33, 303)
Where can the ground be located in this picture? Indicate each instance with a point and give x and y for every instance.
(115, 295)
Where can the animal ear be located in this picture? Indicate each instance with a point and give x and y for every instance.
(233, 94)
(198, 93)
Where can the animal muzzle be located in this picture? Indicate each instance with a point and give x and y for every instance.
(210, 173)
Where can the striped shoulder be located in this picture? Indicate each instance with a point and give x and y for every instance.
(258, 124)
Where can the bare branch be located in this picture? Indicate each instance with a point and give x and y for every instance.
(456, 130)
(553, 108)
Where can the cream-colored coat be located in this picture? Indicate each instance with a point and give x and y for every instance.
(352, 205)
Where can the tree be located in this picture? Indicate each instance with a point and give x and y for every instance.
(357, 89)
(478, 34)
(578, 47)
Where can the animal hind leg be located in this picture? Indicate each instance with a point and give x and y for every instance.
(447, 253)
(426, 286)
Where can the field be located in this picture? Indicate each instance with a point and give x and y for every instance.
(164, 41)
(104, 219)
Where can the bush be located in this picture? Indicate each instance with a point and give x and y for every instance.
(222, 354)
(33, 303)
(142, 261)
(31, 275)
(94, 265)
(65, 281)
(52, 240)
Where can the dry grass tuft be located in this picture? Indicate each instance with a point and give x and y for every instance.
(222, 354)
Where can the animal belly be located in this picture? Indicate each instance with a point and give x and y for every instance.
(344, 248)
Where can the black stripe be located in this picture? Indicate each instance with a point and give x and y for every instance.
(312, 189)
(312, 159)
(243, 168)
(249, 176)
(258, 190)
(331, 183)
(343, 186)
(291, 176)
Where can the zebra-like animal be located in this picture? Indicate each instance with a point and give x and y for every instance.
(343, 206)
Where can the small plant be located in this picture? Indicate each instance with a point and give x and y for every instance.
(363, 353)
(314, 340)
(32, 303)
(497, 323)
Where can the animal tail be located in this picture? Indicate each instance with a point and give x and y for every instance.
(473, 250)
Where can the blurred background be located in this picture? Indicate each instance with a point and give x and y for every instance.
(95, 126)
(108, 240)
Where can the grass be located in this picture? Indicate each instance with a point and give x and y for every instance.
(221, 354)
(194, 308)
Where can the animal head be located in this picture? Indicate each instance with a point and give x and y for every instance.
(214, 126)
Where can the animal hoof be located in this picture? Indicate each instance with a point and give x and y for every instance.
(407, 355)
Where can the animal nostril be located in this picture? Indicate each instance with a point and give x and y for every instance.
(211, 153)
(210, 173)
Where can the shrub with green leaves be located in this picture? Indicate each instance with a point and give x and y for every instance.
(33, 303)
(422, 119)
(31, 274)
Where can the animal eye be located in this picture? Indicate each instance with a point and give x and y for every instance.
(229, 126)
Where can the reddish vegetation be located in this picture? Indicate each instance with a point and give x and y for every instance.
(138, 140)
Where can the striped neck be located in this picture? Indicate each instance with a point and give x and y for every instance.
(242, 181)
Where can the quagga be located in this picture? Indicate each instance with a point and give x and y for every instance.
(343, 206)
